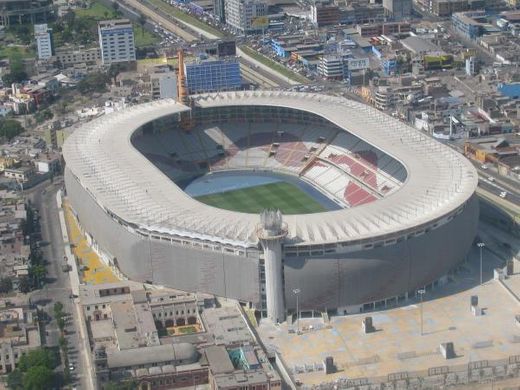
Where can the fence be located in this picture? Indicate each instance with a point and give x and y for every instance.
(484, 371)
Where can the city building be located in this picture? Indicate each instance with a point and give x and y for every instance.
(23, 173)
(240, 368)
(14, 251)
(24, 11)
(213, 75)
(361, 13)
(162, 338)
(219, 10)
(19, 332)
(163, 85)
(116, 41)
(55, 137)
(324, 14)
(71, 56)
(445, 8)
(246, 16)
(398, 9)
(469, 24)
(388, 28)
(332, 67)
(43, 36)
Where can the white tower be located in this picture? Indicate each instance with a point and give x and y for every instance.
(271, 233)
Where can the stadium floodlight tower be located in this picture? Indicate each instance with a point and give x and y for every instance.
(271, 233)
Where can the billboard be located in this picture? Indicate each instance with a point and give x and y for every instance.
(358, 63)
(226, 48)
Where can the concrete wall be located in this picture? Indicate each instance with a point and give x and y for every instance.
(354, 278)
(326, 282)
(142, 259)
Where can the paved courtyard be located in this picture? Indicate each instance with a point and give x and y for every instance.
(397, 345)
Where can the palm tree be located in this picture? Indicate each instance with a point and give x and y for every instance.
(142, 22)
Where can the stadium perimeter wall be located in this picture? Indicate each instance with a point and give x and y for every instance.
(326, 282)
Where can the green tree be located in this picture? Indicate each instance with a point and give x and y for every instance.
(38, 377)
(16, 71)
(115, 6)
(24, 285)
(69, 18)
(15, 380)
(10, 128)
(6, 285)
(93, 82)
(38, 357)
(38, 273)
(114, 71)
(61, 323)
(58, 309)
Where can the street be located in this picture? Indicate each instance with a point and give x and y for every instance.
(57, 288)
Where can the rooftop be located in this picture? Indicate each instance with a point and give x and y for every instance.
(101, 156)
(182, 353)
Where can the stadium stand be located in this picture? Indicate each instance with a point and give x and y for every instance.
(344, 167)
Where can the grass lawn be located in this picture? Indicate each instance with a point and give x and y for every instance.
(284, 196)
(274, 65)
(14, 51)
(177, 13)
(98, 11)
(144, 38)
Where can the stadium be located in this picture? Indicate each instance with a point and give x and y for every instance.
(184, 196)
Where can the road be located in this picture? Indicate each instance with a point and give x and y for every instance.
(162, 18)
(252, 70)
(43, 198)
(256, 77)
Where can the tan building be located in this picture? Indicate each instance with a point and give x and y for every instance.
(71, 56)
(445, 8)
(22, 174)
(245, 372)
(19, 333)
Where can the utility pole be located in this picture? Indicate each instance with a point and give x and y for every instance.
(296, 292)
(481, 245)
(421, 292)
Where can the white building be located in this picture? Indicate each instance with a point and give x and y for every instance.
(116, 41)
(332, 67)
(246, 16)
(43, 36)
(163, 85)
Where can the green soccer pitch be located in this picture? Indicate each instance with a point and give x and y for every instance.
(288, 198)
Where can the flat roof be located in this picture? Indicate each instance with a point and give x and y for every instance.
(124, 182)
(218, 359)
(168, 354)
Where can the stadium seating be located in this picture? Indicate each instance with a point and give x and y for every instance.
(346, 168)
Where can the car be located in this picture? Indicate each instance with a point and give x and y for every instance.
(491, 178)
(484, 166)
(503, 194)
(71, 367)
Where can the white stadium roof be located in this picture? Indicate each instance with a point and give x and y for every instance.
(123, 181)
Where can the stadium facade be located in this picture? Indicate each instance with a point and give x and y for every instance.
(408, 209)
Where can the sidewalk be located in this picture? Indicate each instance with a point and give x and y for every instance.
(74, 283)
(94, 270)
